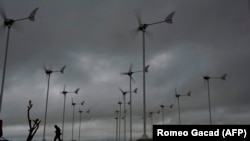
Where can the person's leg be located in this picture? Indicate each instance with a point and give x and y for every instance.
(55, 138)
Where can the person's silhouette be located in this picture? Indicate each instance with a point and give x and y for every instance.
(58, 133)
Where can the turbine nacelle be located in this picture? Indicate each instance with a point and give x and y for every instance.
(65, 92)
(206, 77)
(178, 95)
(123, 92)
(9, 22)
(142, 27)
(223, 77)
(48, 72)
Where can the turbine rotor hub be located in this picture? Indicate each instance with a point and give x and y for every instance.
(142, 27)
(8, 22)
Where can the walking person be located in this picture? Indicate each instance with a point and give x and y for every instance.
(58, 133)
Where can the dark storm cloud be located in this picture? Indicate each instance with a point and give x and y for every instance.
(96, 41)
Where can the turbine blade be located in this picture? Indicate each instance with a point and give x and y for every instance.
(121, 90)
(2, 11)
(132, 78)
(124, 73)
(169, 18)
(72, 100)
(133, 33)
(223, 77)
(138, 16)
(44, 67)
(130, 68)
(32, 14)
(149, 34)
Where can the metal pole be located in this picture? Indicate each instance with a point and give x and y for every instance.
(162, 108)
(209, 104)
(116, 131)
(152, 122)
(151, 117)
(144, 136)
(4, 66)
(46, 107)
(179, 111)
(73, 122)
(119, 131)
(130, 86)
(63, 116)
(80, 125)
(124, 98)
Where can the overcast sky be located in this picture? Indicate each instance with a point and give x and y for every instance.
(96, 41)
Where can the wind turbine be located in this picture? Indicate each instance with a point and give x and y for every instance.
(116, 125)
(119, 118)
(142, 27)
(80, 112)
(130, 112)
(151, 118)
(125, 111)
(178, 96)
(207, 78)
(162, 109)
(8, 23)
(73, 105)
(64, 92)
(130, 73)
(48, 73)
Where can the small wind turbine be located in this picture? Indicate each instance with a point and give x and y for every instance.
(48, 73)
(130, 73)
(207, 78)
(119, 125)
(74, 104)
(125, 111)
(64, 92)
(142, 27)
(162, 109)
(178, 96)
(116, 124)
(8, 23)
(80, 112)
(151, 117)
